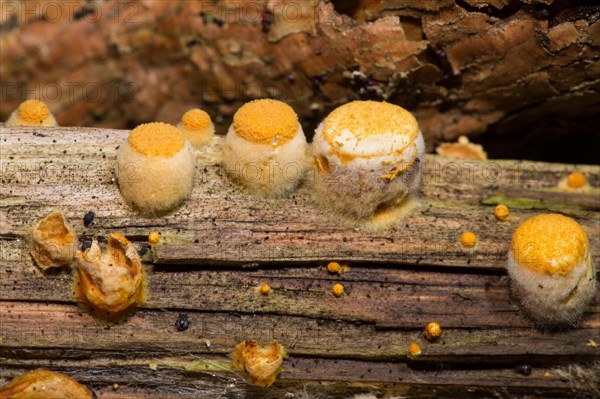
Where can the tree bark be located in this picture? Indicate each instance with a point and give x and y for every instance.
(524, 73)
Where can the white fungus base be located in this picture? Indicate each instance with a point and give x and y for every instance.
(199, 138)
(15, 120)
(357, 191)
(155, 185)
(553, 300)
(263, 169)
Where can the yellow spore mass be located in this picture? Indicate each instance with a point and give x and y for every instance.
(195, 119)
(33, 111)
(549, 243)
(365, 119)
(156, 139)
(266, 121)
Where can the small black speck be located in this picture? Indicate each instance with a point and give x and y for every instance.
(182, 322)
(524, 369)
(88, 219)
(85, 245)
(143, 251)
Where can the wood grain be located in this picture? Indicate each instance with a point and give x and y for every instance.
(223, 243)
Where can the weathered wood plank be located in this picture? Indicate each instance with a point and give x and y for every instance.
(36, 334)
(72, 169)
(409, 299)
(136, 381)
(31, 329)
(398, 281)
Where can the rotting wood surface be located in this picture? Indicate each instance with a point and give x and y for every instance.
(223, 243)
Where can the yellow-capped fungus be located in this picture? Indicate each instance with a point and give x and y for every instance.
(197, 127)
(155, 168)
(44, 384)
(337, 290)
(468, 240)
(414, 349)
(31, 113)
(463, 149)
(432, 331)
(334, 268)
(501, 212)
(260, 364)
(264, 289)
(153, 237)
(53, 241)
(576, 180)
(265, 150)
(113, 283)
(369, 159)
(551, 270)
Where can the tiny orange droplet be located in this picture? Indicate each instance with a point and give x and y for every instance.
(468, 239)
(414, 349)
(153, 237)
(337, 290)
(433, 331)
(576, 180)
(501, 212)
(333, 267)
(265, 289)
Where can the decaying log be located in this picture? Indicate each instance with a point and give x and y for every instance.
(223, 243)
(524, 70)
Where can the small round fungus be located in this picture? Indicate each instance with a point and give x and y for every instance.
(501, 212)
(334, 268)
(265, 150)
(265, 289)
(576, 180)
(433, 331)
(155, 168)
(468, 240)
(414, 349)
(44, 384)
(31, 113)
(337, 290)
(551, 270)
(113, 283)
(197, 127)
(369, 158)
(153, 238)
(260, 364)
(53, 242)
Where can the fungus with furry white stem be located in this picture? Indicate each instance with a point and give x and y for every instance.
(265, 150)
(369, 158)
(551, 270)
(31, 113)
(197, 127)
(155, 168)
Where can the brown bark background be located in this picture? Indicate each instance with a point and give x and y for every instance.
(520, 76)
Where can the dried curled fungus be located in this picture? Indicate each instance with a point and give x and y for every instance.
(53, 242)
(260, 364)
(111, 283)
(44, 384)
